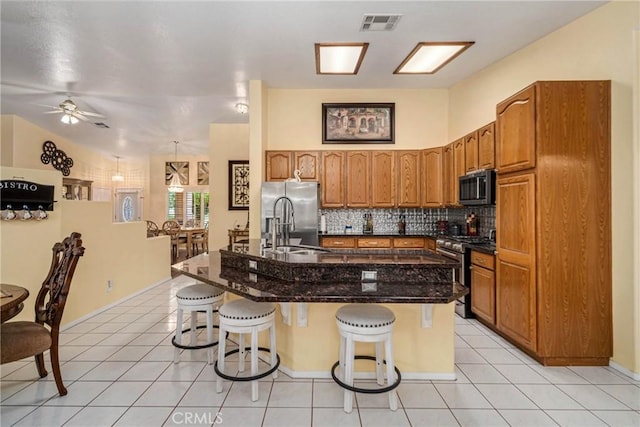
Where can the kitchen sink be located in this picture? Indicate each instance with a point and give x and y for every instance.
(297, 250)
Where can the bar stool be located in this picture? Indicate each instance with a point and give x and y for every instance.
(243, 316)
(366, 323)
(195, 298)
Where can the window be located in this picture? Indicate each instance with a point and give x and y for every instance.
(188, 206)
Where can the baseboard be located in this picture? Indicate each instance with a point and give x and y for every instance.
(624, 371)
(113, 304)
(436, 376)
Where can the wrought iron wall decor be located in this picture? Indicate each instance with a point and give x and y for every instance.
(179, 168)
(238, 185)
(58, 158)
(203, 173)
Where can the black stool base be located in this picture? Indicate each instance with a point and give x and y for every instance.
(365, 390)
(251, 378)
(194, 347)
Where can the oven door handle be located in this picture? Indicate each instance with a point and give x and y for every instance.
(449, 254)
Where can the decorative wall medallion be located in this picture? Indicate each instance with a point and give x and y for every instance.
(180, 168)
(238, 185)
(57, 158)
(203, 173)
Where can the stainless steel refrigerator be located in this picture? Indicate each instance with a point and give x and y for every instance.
(296, 212)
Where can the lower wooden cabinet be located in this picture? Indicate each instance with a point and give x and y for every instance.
(483, 286)
(375, 242)
(409, 242)
(338, 242)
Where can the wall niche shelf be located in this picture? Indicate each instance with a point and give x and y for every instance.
(76, 189)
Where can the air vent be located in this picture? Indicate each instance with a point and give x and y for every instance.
(386, 22)
(102, 125)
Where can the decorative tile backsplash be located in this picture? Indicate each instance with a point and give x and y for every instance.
(418, 220)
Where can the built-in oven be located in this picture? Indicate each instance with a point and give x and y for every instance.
(456, 250)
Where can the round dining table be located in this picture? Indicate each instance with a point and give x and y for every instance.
(11, 300)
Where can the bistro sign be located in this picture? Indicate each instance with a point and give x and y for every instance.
(16, 194)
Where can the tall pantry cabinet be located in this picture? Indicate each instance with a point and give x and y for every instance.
(553, 213)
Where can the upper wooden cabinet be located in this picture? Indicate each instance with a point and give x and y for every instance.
(358, 179)
(278, 165)
(449, 187)
(408, 167)
(471, 151)
(459, 166)
(486, 146)
(332, 179)
(383, 178)
(516, 132)
(282, 164)
(431, 182)
(308, 163)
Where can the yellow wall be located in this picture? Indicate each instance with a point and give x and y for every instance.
(227, 142)
(596, 46)
(120, 252)
(295, 117)
(22, 143)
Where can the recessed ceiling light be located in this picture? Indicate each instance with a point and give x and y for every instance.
(429, 57)
(339, 58)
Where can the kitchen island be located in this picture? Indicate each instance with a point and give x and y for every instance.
(308, 339)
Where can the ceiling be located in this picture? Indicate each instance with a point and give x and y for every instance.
(160, 71)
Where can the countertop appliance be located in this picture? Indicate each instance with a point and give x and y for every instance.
(477, 188)
(296, 212)
(458, 248)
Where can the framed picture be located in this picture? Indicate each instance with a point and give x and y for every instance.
(180, 168)
(203, 173)
(365, 123)
(238, 185)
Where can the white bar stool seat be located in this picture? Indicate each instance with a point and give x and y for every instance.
(195, 298)
(366, 323)
(242, 316)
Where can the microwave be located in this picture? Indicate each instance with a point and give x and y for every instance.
(477, 188)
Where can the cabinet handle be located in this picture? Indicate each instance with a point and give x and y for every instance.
(373, 243)
(338, 243)
(471, 267)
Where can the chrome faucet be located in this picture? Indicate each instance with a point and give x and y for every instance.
(288, 220)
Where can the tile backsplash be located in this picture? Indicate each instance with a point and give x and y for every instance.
(418, 220)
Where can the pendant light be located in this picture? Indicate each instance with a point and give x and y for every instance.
(118, 177)
(175, 186)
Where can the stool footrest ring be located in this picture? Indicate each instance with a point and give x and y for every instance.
(366, 390)
(251, 378)
(194, 347)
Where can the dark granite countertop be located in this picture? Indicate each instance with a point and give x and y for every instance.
(261, 287)
(360, 234)
(485, 248)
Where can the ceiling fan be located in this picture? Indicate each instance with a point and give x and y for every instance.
(70, 112)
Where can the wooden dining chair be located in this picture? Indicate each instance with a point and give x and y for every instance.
(152, 229)
(23, 338)
(172, 229)
(200, 241)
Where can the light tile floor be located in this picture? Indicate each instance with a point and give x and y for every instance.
(118, 369)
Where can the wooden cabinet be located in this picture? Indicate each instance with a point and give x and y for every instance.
(483, 286)
(516, 290)
(358, 179)
(332, 179)
(459, 167)
(408, 167)
(308, 163)
(278, 165)
(449, 188)
(338, 242)
(516, 132)
(430, 243)
(432, 176)
(471, 152)
(408, 242)
(553, 269)
(486, 146)
(383, 178)
(373, 242)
